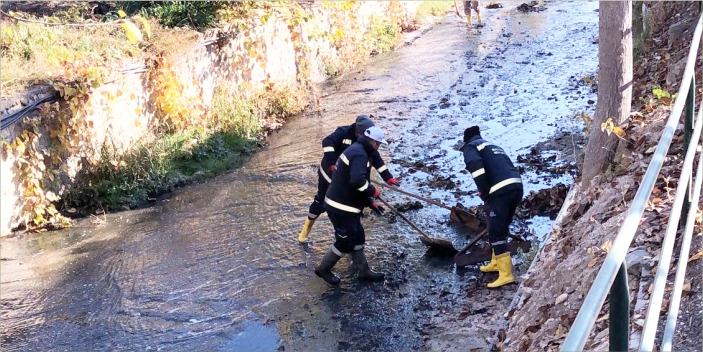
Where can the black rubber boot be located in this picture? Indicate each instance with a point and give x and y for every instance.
(365, 272)
(324, 270)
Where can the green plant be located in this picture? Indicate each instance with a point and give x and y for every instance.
(433, 8)
(223, 138)
(194, 14)
(384, 35)
(661, 94)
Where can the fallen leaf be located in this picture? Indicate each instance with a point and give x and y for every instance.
(619, 131)
(686, 286)
(592, 262)
(665, 305)
(696, 256)
(606, 246)
(562, 297)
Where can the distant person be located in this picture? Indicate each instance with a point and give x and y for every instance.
(500, 187)
(333, 146)
(349, 193)
(471, 5)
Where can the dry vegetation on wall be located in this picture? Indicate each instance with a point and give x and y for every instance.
(77, 48)
(550, 295)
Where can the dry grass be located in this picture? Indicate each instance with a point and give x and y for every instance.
(34, 52)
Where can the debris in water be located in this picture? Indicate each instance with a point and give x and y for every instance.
(443, 182)
(546, 202)
(410, 205)
(533, 6)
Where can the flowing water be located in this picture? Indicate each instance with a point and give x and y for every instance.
(216, 266)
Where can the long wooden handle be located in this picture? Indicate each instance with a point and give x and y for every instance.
(416, 196)
(396, 212)
(478, 237)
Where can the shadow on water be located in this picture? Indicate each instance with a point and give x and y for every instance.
(216, 266)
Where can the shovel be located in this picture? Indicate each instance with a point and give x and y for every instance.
(456, 214)
(438, 244)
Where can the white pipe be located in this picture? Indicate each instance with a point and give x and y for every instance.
(600, 288)
(655, 301)
(683, 259)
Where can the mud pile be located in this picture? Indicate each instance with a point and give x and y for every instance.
(545, 202)
(533, 6)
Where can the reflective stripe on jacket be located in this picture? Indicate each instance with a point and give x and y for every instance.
(490, 167)
(350, 190)
(336, 143)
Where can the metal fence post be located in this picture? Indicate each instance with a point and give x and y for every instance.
(687, 130)
(619, 329)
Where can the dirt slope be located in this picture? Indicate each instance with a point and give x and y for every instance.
(551, 293)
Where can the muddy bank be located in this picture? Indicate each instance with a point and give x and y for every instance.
(216, 265)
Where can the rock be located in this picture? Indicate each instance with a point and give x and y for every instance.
(636, 259)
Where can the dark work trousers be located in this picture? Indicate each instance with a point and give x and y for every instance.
(318, 207)
(348, 233)
(470, 5)
(501, 209)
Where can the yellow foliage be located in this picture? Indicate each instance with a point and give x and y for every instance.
(133, 33)
(145, 24)
(609, 127)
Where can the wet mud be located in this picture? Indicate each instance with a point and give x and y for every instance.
(216, 266)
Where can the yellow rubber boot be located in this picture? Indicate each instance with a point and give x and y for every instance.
(303, 237)
(468, 18)
(478, 14)
(505, 271)
(490, 267)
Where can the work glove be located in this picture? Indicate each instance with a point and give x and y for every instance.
(392, 181)
(377, 209)
(332, 168)
(377, 193)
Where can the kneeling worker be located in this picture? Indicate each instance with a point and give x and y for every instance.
(349, 193)
(500, 187)
(333, 146)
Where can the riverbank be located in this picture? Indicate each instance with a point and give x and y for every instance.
(550, 295)
(112, 138)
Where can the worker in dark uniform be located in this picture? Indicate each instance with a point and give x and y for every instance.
(349, 193)
(500, 187)
(471, 5)
(333, 146)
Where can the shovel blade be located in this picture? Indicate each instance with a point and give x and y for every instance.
(466, 219)
(484, 254)
(439, 245)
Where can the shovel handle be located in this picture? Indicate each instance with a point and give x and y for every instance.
(416, 196)
(478, 237)
(396, 212)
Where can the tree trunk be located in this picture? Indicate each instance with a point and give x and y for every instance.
(614, 85)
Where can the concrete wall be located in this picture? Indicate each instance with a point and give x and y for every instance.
(122, 111)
